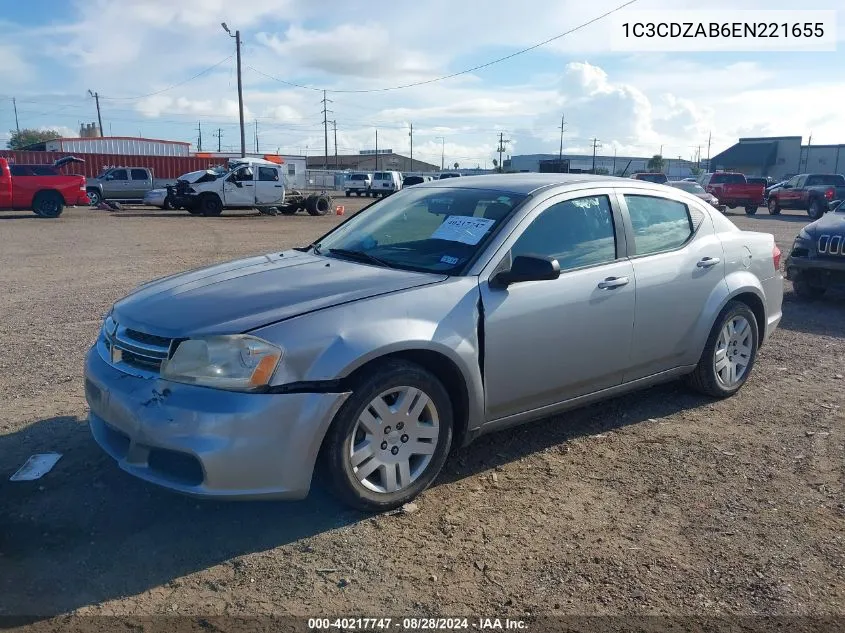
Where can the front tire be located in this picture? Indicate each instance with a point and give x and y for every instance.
(390, 439)
(730, 352)
(48, 204)
(210, 205)
(94, 197)
(815, 210)
(750, 210)
(774, 207)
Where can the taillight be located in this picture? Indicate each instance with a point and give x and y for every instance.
(776, 256)
(828, 194)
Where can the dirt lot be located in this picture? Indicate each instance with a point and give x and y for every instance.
(660, 502)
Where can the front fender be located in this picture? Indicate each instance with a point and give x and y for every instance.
(331, 344)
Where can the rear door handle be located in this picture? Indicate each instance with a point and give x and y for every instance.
(613, 282)
(708, 262)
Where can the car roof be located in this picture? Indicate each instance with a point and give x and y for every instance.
(527, 183)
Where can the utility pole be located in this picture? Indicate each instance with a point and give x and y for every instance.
(614, 161)
(199, 136)
(15, 106)
(560, 154)
(501, 149)
(661, 150)
(698, 158)
(237, 37)
(334, 127)
(411, 134)
(377, 165)
(709, 136)
(256, 135)
(324, 101)
(807, 158)
(442, 150)
(96, 96)
(219, 136)
(595, 147)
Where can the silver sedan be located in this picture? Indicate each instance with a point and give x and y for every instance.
(446, 311)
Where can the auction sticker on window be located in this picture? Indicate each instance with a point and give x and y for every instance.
(463, 228)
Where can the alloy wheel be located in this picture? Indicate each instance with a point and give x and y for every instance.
(734, 349)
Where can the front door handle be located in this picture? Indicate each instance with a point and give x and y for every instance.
(708, 262)
(613, 282)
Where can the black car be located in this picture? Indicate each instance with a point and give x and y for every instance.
(817, 258)
(412, 180)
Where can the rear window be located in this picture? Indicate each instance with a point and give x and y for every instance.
(655, 178)
(727, 179)
(357, 177)
(20, 170)
(381, 175)
(835, 180)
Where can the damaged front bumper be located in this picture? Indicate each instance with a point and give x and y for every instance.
(207, 442)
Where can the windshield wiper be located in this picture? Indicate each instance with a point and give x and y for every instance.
(360, 256)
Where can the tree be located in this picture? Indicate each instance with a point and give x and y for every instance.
(602, 170)
(695, 171)
(456, 164)
(28, 136)
(495, 164)
(655, 163)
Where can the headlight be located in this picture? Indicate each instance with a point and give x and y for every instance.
(803, 235)
(236, 363)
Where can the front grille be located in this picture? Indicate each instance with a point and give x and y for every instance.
(131, 348)
(831, 245)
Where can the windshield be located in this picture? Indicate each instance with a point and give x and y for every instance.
(691, 187)
(434, 230)
(655, 178)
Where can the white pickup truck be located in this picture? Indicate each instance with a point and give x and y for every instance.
(245, 183)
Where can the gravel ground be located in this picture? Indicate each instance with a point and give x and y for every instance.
(660, 502)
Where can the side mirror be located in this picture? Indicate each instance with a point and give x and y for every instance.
(109, 176)
(833, 205)
(528, 268)
(785, 186)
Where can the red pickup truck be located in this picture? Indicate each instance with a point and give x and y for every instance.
(812, 193)
(734, 191)
(42, 188)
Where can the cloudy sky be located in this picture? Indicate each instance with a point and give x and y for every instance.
(140, 57)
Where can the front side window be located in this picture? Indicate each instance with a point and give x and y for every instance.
(793, 182)
(659, 224)
(119, 174)
(428, 230)
(576, 233)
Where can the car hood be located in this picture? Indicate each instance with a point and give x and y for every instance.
(832, 223)
(249, 293)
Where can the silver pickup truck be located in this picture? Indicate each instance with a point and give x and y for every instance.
(126, 184)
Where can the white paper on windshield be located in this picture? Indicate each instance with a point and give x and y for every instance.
(463, 228)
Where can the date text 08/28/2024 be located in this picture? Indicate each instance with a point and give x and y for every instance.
(414, 624)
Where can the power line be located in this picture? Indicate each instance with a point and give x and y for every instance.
(176, 85)
(456, 74)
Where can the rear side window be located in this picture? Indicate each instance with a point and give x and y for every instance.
(20, 170)
(267, 174)
(139, 174)
(576, 233)
(659, 224)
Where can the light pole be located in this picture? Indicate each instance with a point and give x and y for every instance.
(442, 140)
(237, 37)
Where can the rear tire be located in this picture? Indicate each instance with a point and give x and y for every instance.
(94, 197)
(348, 194)
(168, 204)
(805, 289)
(346, 429)
(723, 349)
(210, 205)
(48, 204)
(815, 210)
(774, 207)
(750, 210)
